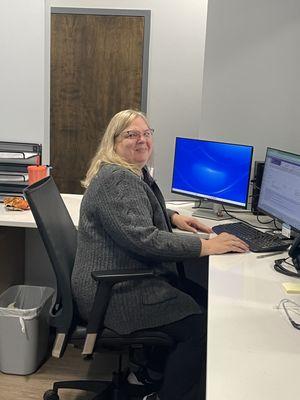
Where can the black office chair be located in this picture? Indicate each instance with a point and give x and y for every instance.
(60, 239)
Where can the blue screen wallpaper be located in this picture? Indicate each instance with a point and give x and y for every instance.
(213, 170)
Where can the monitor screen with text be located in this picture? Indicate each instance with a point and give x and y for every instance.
(280, 188)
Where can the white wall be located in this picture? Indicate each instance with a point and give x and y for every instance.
(177, 40)
(251, 89)
(22, 71)
(175, 72)
(251, 86)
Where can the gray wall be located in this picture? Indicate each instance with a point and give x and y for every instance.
(251, 85)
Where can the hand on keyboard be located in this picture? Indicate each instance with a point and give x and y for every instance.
(223, 243)
(256, 240)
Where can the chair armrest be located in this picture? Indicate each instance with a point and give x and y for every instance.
(106, 280)
(121, 275)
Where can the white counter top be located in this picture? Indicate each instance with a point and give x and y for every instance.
(25, 219)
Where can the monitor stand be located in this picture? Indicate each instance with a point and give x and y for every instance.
(214, 212)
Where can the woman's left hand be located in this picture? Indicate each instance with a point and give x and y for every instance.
(189, 224)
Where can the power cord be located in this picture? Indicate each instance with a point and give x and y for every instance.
(283, 303)
(272, 220)
(279, 229)
(245, 222)
(278, 266)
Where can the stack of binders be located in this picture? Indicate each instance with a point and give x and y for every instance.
(14, 160)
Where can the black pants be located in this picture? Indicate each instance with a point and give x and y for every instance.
(184, 366)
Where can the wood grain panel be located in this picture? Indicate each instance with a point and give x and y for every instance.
(96, 71)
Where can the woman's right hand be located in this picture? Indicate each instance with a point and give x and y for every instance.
(223, 243)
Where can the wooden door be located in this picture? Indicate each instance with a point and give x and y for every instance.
(96, 71)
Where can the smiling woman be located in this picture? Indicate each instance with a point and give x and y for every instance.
(124, 225)
(121, 147)
(135, 144)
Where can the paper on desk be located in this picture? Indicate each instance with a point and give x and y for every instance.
(291, 287)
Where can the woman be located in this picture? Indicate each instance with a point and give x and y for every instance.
(124, 224)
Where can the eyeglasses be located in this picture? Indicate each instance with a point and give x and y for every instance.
(147, 134)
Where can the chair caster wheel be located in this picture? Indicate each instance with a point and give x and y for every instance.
(50, 395)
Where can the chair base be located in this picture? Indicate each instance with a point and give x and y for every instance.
(117, 389)
(103, 390)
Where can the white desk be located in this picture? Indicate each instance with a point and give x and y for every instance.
(24, 219)
(253, 351)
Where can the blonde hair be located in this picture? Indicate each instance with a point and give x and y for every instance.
(106, 153)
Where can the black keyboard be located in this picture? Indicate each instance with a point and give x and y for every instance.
(258, 241)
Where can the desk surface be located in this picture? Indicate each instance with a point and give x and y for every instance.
(25, 219)
(253, 351)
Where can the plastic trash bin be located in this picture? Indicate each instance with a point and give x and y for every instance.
(24, 328)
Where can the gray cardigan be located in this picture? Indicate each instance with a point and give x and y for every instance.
(124, 225)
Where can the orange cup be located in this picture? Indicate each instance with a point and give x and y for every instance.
(36, 173)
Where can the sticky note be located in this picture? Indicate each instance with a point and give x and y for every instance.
(291, 287)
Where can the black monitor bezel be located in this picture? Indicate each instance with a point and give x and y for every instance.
(267, 212)
(224, 202)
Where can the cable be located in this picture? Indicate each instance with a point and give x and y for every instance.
(276, 225)
(288, 263)
(265, 222)
(242, 220)
(282, 270)
(283, 302)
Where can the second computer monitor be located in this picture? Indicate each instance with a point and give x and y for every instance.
(214, 171)
(280, 187)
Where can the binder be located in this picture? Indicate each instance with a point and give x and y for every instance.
(15, 157)
(20, 153)
(13, 177)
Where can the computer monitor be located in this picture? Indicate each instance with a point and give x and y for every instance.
(214, 171)
(280, 187)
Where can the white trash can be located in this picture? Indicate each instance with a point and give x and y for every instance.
(24, 328)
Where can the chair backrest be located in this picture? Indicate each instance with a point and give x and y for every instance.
(59, 236)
